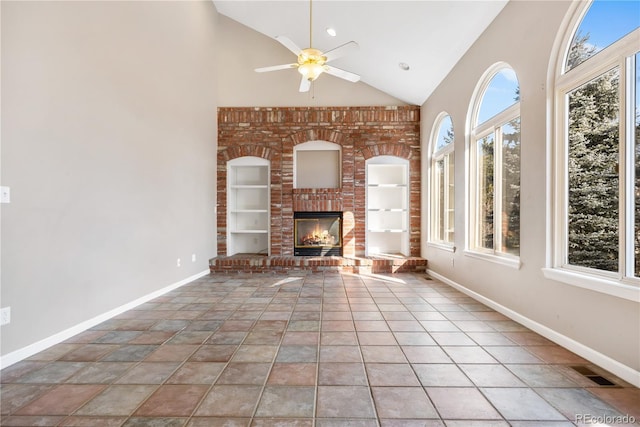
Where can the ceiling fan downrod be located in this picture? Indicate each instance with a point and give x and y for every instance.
(312, 62)
(310, 23)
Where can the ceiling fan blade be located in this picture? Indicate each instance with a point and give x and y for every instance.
(305, 85)
(341, 73)
(276, 67)
(289, 44)
(341, 50)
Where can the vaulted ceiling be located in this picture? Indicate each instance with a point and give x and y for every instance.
(429, 36)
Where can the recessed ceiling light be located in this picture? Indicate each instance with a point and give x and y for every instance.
(404, 66)
(331, 32)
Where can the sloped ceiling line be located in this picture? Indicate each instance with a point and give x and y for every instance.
(430, 36)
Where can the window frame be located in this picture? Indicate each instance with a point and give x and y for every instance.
(493, 125)
(622, 55)
(447, 155)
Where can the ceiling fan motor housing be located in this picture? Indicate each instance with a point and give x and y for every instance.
(311, 63)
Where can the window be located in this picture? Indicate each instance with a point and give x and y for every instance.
(442, 182)
(605, 23)
(597, 214)
(494, 212)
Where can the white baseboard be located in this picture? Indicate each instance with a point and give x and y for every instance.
(623, 371)
(28, 351)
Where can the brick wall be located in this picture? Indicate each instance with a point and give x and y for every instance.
(362, 132)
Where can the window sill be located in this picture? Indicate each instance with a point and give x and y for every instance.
(511, 262)
(442, 246)
(598, 284)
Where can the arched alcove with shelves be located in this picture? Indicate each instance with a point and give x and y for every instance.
(387, 206)
(248, 204)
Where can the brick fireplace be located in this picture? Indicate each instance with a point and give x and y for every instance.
(361, 132)
(317, 233)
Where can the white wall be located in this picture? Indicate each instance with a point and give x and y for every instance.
(242, 50)
(602, 327)
(109, 147)
(109, 143)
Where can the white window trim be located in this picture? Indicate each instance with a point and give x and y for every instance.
(495, 257)
(447, 247)
(435, 156)
(614, 288)
(492, 125)
(560, 84)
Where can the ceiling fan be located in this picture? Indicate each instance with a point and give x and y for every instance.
(312, 62)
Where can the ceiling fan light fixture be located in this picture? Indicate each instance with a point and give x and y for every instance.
(313, 62)
(310, 70)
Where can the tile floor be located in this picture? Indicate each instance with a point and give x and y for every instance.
(320, 349)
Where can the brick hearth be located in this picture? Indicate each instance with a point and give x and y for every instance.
(283, 264)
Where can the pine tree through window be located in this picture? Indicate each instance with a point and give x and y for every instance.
(443, 188)
(598, 180)
(495, 166)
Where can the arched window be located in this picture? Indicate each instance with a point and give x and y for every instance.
(494, 208)
(442, 181)
(597, 214)
(604, 23)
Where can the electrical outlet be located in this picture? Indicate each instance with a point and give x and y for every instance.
(178, 263)
(5, 195)
(5, 315)
(193, 257)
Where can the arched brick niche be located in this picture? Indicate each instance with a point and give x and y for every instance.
(362, 133)
(224, 155)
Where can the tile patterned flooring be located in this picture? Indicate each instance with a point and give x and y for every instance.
(321, 349)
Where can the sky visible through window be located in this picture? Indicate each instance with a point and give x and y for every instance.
(607, 21)
(501, 93)
(604, 23)
(446, 127)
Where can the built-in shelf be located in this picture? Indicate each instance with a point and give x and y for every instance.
(317, 164)
(387, 206)
(248, 204)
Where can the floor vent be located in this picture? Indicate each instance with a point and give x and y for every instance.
(598, 379)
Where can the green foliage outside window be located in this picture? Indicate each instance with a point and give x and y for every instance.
(593, 218)
(511, 187)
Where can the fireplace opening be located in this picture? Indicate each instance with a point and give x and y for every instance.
(317, 233)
